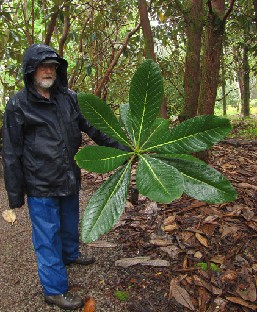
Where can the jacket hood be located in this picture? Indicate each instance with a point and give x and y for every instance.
(38, 53)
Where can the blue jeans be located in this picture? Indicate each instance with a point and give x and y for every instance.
(55, 238)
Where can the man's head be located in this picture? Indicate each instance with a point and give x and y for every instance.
(45, 73)
(38, 68)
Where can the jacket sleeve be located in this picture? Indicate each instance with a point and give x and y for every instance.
(12, 154)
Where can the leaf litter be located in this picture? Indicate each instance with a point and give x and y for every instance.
(195, 238)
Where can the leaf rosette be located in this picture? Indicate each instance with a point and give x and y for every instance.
(165, 168)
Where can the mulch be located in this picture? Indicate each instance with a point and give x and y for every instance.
(203, 256)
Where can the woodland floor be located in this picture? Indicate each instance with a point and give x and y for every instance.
(205, 255)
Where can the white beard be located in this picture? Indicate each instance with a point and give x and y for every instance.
(44, 83)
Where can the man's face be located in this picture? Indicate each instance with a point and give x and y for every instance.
(45, 75)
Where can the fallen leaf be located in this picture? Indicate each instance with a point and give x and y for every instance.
(198, 255)
(90, 305)
(152, 208)
(169, 220)
(9, 215)
(246, 287)
(247, 185)
(228, 230)
(180, 295)
(242, 302)
(173, 251)
(102, 244)
(127, 262)
(248, 214)
(203, 240)
(170, 227)
(218, 259)
(254, 267)
(209, 286)
(160, 242)
(156, 263)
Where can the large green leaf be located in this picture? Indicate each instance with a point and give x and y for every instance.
(159, 133)
(158, 180)
(200, 180)
(194, 135)
(106, 205)
(145, 97)
(101, 159)
(100, 115)
(126, 119)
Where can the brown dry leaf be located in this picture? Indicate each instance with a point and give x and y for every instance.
(169, 220)
(242, 303)
(156, 263)
(203, 240)
(248, 214)
(229, 276)
(227, 230)
(208, 228)
(254, 267)
(127, 262)
(203, 298)
(170, 228)
(9, 215)
(90, 305)
(102, 244)
(160, 242)
(218, 259)
(198, 255)
(246, 288)
(211, 219)
(209, 286)
(173, 251)
(180, 295)
(247, 185)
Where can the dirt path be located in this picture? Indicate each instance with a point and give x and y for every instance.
(224, 236)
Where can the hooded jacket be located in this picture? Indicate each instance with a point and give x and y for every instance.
(41, 136)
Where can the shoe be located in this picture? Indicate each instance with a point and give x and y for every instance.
(84, 260)
(66, 301)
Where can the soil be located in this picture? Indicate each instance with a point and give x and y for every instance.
(207, 252)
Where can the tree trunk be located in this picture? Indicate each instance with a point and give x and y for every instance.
(149, 43)
(211, 63)
(147, 31)
(223, 84)
(194, 28)
(245, 108)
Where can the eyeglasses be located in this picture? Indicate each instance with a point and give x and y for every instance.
(45, 66)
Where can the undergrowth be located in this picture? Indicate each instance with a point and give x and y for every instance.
(244, 128)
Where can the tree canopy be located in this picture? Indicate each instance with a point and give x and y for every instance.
(104, 41)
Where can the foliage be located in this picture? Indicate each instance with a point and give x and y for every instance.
(165, 168)
(96, 33)
(244, 128)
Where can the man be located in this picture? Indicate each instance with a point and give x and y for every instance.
(41, 135)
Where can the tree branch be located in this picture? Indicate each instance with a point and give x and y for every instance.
(229, 10)
(52, 25)
(66, 29)
(115, 60)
